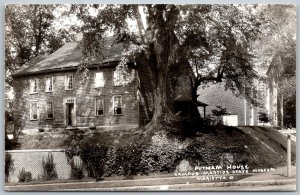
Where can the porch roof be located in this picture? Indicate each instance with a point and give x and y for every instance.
(202, 104)
(199, 103)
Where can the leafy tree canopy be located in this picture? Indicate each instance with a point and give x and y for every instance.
(214, 40)
(218, 43)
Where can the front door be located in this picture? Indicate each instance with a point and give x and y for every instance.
(70, 114)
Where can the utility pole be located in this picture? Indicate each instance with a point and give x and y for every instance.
(289, 156)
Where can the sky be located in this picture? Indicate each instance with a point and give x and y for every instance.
(66, 22)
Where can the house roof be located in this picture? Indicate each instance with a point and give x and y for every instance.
(68, 57)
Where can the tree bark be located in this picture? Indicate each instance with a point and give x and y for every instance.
(160, 99)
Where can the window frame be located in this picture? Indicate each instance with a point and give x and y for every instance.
(122, 112)
(47, 109)
(67, 82)
(37, 111)
(96, 111)
(51, 83)
(95, 80)
(35, 80)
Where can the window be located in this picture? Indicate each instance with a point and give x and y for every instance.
(33, 85)
(99, 106)
(118, 105)
(33, 111)
(49, 84)
(99, 79)
(69, 82)
(49, 110)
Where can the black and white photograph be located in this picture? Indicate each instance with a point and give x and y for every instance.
(150, 97)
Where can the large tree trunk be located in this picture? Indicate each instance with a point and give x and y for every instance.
(162, 56)
(161, 52)
(160, 98)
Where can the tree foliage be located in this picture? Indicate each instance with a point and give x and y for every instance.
(279, 39)
(31, 30)
(225, 52)
(278, 33)
(214, 40)
(205, 43)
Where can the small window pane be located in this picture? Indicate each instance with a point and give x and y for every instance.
(118, 105)
(33, 111)
(69, 82)
(33, 86)
(49, 84)
(49, 110)
(99, 106)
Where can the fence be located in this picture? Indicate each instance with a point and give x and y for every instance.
(31, 160)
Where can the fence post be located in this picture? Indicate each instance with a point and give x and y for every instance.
(289, 156)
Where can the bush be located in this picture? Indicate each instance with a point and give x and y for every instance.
(111, 167)
(49, 168)
(11, 144)
(208, 121)
(9, 165)
(163, 155)
(128, 158)
(128, 155)
(219, 111)
(25, 176)
(193, 153)
(263, 117)
(157, 159)
(76, 170)
(190, 126)
(94, 157)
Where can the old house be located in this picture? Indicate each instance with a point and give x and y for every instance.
(50, 93)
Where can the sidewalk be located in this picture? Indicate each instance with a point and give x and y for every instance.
(169, 183)
(278, 175)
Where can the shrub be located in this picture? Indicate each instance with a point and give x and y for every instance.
(11, 144)
(111, 167)
(219, 111)
(128, 158)
(25, 176)
(94, 157)
(190, 126)
(264, 117)
(9, 165)
(76, 170)
(193, 153)
(208, 121)
(160, 159)
(49, 170)
(162, 155)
